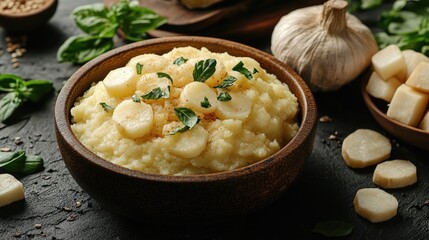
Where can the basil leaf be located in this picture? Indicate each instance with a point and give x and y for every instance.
(164, 75)
(204, 69)
(106, 107)
(241, 69)
(32, 164)
(370, 4)
(205, 103)
(224, 97)
(139, 68)
(95, 19)
(255, 71)
(156, 94)
(10, 82)
(8, 105)
(82, 48)
(227, 82)
(187, 117)
(16, 163)
(136, 98)
(333, 228)
(9, 157)
(34, 90)
(179, 61)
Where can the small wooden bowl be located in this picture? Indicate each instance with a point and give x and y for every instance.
(141, 195)
(378, 108)
(28, 21)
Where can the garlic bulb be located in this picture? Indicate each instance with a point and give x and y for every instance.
(324, 44)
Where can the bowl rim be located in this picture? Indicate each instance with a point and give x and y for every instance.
(48, 4)
(307, 109)
(370, 104)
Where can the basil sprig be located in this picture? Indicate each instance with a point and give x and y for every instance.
(20, 91)
(157, 93)
(241, 69)
(107, 107)
(227, 82)
(204, 69)
(188, 117)
(180, 60)
(205, 103)
(20, 163)
(100, 23)
(164, 75)
(224, 97)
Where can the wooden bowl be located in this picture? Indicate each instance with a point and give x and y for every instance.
(378, 108)
(153, 196)
(28, 21)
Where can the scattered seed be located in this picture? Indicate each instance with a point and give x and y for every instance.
(332, 137)
(46, 177)
(427, 203)
(5, 149)
(325, 119)
(38, 225)
(17, 235)
(17, 141)
(67, 209)
(78, 204)
(71, 218)
(15, 65)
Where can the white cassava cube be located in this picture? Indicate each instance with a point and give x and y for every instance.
(375, 204)
(11, 190)
(389, 62)
(408, 105)
(412, 59)
(425, 122)
(419, 79)
(379, 88)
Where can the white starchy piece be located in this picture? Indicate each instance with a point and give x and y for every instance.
(424, 124)
(408, 105)
(365, 147)
(11, 190)
(150, 63)
(135, 119)
(189, 144)
(389, 62)
(395, 174)
(239, 107)
(375, 204)
(412, 59)
(150, 81)
(194, 4)
(193, 95)
(419, 78)
(121, 82)
(379, 88)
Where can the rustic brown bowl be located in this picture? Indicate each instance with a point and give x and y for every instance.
(153, 196)
(28, 21)
(378, 108)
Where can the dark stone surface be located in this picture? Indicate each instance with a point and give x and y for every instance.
(324, 191)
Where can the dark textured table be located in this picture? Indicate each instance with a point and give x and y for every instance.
(57, 208)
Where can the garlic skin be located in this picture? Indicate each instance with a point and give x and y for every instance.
(324, 44)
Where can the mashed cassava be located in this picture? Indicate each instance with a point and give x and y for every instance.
(189, 111)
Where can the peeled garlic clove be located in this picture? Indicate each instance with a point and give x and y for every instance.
(324, 44)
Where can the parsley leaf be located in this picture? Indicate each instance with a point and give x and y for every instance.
(204, 69)
(224, 97)
(205, 103)
(187, 117)
(227, 82)
(136, 98)
(157, 93)
(241, 69)
(164, 75)
(106, 107)
(139, 68)
(179, 61)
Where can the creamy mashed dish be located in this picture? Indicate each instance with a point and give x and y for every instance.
(189, 111)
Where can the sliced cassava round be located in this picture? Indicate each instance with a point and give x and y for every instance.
(395, 174)
(365, 147)
(375, 204)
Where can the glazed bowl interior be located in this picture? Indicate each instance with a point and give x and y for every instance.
(226, 190)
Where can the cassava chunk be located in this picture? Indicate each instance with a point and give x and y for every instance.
(365, 147)
(395, 174)
(419, 79)
(425, 122)
(412, 59)
(11, 190)
(408, 105)
(379, 88)
(375, 204)
(389, 62)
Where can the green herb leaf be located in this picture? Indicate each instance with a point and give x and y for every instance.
(205, 103)
(34, 90)
(32, 164)
(333, 228)
(227, 82)
(82, 48)
(164, 75)
(224, 97)
(8, 105)
(95, 19)
(204, 69)
(136, 98)
(179, 61)
(10, 82)
(241, 69)
(106, 107)
(156, 94)
(255, 71)
(19, 163)
(187, 117)
(16, 164)
(7, 158)
(139, 68)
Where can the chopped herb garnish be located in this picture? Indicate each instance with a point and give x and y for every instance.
(164, 75)
(204, 69)
(136, 98)
(333, 228)
(205, 103)
(106, 107)
(224, 97)
(187, 117)
(241, 69)
(179, 61)
(227, 82)
(139, 68)
(157, 93)
(255, 71)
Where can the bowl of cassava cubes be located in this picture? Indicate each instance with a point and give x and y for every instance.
(396, 92)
